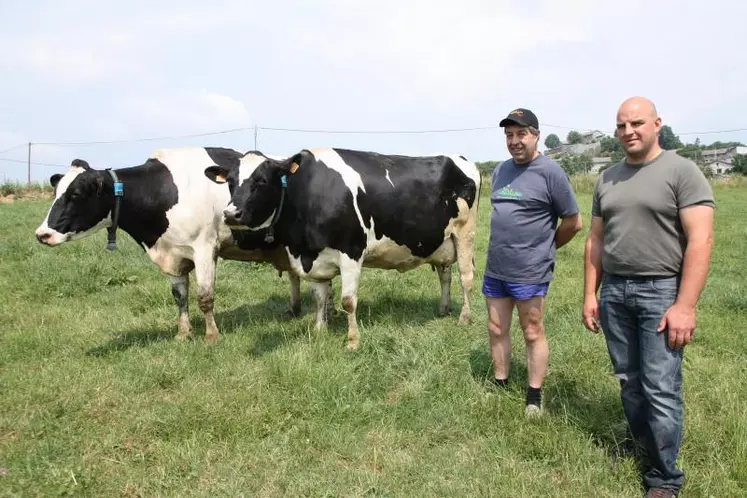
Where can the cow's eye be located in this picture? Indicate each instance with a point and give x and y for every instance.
(75, 195)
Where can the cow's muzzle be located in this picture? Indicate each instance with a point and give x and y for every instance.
(44, 237)
(232, 216)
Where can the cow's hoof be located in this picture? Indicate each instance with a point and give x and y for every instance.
(185, 336)
(212, 339)
(444, 311)
(465, 319)
(294, 312)
(352, 347)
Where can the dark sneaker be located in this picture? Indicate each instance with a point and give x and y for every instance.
(502, 383)
(661, 493)
(533, 411)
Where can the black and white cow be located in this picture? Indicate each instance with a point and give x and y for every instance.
(174, 213)
(338, 210)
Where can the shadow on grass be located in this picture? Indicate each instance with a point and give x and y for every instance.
(594, 411)
(481, 368)
(597, 413)
(274, 308)
(270, 317)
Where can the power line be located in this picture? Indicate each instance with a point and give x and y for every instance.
(146, 139)
(402, 132)
(13, 148)
(291, 130)
(377, 132)
(711, 132)
(19, 161)
(332, 131)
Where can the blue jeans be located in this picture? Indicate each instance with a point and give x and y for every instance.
(650, 372)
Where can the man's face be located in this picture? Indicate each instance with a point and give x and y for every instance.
(521, 143)
(637, 130)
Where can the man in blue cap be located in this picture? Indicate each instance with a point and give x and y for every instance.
(530, 192)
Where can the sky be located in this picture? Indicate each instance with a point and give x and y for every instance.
(147, 74)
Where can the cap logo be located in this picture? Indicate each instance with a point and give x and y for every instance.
(517, 112)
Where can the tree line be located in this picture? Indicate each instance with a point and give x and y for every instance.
(668, 140)
(611, 147)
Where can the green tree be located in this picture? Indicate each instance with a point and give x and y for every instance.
(568, 163)
(584, 163)
(706, 171)
(739, 164)
(692, 152)
(574, 137)
(552, 141)
(667, 139)
(722, 145)
(486, 166)
(611, 146)
(576, 164)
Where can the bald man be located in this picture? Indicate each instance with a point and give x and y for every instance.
(649, 246)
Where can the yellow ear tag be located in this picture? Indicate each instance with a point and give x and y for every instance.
(294, 168)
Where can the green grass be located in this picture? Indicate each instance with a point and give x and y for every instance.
(96, 399)
(25, 189)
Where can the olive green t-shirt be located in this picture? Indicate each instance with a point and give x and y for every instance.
(639, 205)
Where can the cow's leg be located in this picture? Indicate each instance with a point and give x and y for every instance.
(205, 276)
(180, 291)
(444, 275)
(464, 238)
(295, 294)
(350, 275)
(322, 298)
(330, 300)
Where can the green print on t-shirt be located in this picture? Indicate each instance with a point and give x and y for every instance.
(508, 193)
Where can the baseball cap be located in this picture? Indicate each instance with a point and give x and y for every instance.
(521, 117)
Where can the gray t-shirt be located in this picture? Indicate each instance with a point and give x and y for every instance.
(639, 206)
(527, 201)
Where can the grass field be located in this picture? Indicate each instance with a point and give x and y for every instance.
(97, 400)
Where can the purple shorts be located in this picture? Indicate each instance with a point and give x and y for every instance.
(492, 287)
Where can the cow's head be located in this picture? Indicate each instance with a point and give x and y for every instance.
(82, 205)
(255, 187)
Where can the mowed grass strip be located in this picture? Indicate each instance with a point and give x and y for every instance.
(96, 399)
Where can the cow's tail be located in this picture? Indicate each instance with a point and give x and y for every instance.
(477, 206)
(478, 191)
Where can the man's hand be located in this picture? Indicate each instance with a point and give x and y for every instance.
(593, 274)
(591, 313)
(680, 320)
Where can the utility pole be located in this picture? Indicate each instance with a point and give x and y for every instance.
(255, 137)
(28, 165)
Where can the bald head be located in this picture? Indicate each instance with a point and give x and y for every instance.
(637, 128)
(640, 105)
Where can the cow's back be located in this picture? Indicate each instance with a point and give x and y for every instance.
(412, 200)
(198, 211)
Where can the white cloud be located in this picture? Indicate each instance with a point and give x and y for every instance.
(445, 53)
(107, 45)
(9, 139)
(78, 72)
(185, 111)
(74, 58)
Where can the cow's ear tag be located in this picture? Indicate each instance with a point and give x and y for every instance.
(294, 168)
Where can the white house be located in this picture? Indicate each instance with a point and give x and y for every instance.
(598, 162)
(725, 154)
(718, 167)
